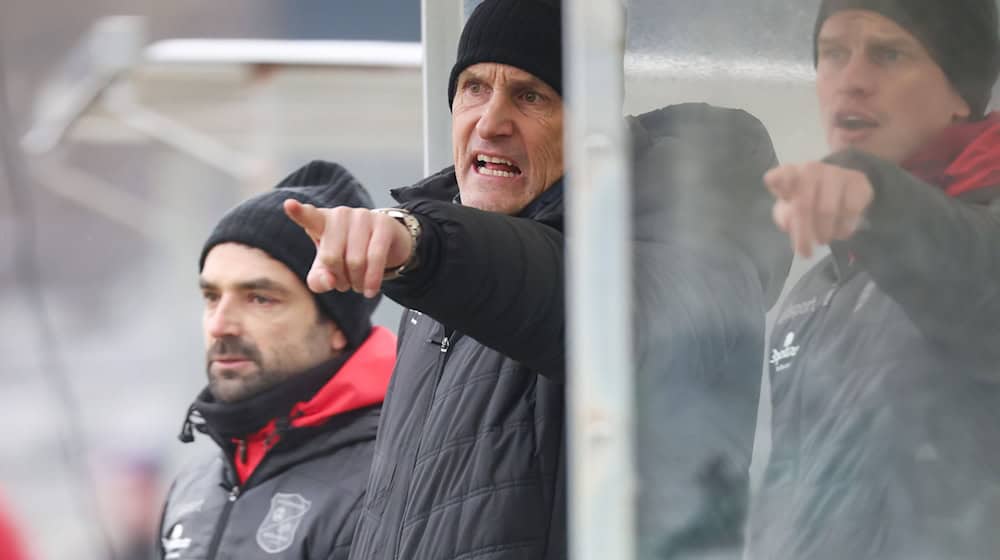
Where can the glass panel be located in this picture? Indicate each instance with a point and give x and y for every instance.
(874, 420)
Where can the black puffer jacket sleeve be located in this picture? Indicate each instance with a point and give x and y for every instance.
(937, 257)
(496, 278)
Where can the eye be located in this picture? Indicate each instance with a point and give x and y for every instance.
(887, 54)
(473, 87)
(258, 299)
(210, 297)
(832, 53)
(533, 97)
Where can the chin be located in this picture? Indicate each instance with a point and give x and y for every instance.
(507, 207)
(482, 200)
(491, 206)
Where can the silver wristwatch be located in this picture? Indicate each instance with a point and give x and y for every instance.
(412, 225)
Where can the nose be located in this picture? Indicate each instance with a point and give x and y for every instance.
(857, 77)
(497, 118)
(222, 319)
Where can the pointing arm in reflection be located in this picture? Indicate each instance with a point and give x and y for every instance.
(709, 263)
(933, 249)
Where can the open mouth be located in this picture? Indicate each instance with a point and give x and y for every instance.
(853, 121)
(496, 166)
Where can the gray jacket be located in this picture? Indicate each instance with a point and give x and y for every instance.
(290, 476)
(885, 376)
(302, 502)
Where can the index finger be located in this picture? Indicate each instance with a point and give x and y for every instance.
(782, 181)
(306, 216)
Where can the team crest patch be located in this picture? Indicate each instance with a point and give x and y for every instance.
(277, 531)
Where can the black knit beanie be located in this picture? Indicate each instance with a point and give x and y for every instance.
(526, 34)
(961, 35)
(261, 222)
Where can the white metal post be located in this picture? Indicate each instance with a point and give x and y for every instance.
(602, 493)
(441, 25)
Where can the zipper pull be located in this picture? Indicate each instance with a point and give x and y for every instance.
(187, 432)
(187, 429)
(234, 493)
(445, 344)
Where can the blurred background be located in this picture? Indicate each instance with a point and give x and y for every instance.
(130, 143)
(113, 214)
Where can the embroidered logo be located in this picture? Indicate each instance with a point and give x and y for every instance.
(175, 543)
(798, 309)
(277, 531)
(782, 359)
(806, 307)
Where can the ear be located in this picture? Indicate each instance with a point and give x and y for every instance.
(960, 108)
(338, 340)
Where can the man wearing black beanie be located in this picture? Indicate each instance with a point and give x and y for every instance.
(295, 386)
(469, 461)
(884, 360)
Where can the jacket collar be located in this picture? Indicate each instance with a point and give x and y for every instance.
(964, 160)
(340, 385)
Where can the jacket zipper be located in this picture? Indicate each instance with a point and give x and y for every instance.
(234, 493)
(445, 345)
(213, 549)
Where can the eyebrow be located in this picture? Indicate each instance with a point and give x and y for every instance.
(892, 43)
(256, 284)
(829, 41)
(881, 42)
(515, 83)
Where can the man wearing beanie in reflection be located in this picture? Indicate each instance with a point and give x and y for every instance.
(295, 386)
(885, 360)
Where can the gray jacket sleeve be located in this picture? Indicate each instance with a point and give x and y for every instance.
(938, 257)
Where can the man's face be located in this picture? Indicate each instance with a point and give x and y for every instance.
(879, 89)
(507, 129)
(261, 323)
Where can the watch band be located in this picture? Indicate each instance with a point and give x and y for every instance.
(412, 225)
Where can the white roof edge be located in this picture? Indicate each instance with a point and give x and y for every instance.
(695, 66)
(291, 52)
(410, 55)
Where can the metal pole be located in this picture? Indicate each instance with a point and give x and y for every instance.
(602, 487)
(441, 24)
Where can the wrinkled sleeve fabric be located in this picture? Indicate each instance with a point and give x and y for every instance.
(496, 278)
